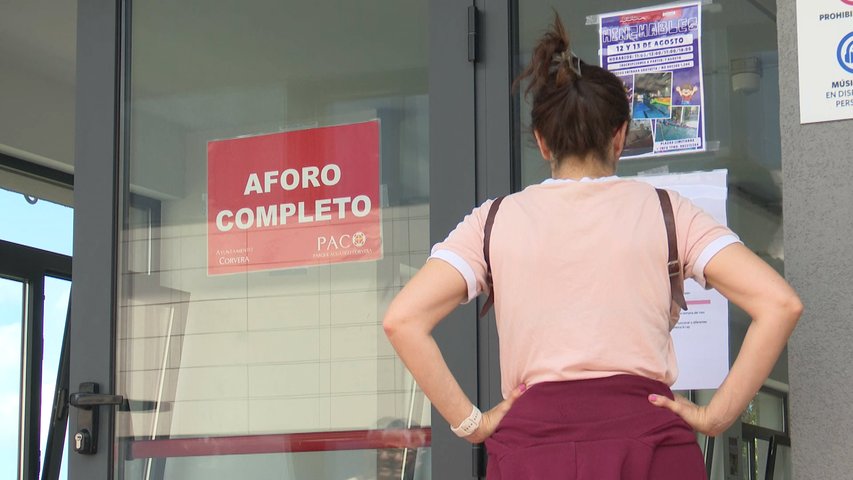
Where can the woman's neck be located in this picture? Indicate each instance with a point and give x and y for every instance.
(576, 168)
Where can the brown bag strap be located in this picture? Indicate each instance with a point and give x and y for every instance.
(673, 265)
(487, 236)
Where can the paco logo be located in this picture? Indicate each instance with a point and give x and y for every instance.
(332, 242)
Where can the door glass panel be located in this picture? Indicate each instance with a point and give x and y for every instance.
(741, 130)
(11, 320)
(232, 364)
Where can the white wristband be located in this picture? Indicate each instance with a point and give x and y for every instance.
(469, 425)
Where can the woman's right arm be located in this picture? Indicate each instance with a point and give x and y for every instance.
(750, 283)
(425, 300)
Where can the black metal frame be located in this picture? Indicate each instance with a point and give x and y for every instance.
(710, 442)
(751, 433)
(34, 170)
(30, 266)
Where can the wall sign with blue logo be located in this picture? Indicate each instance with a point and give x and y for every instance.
(845, 52)
(825, 51)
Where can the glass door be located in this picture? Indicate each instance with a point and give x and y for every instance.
(276, 188)
(284, 148)
(737, 38)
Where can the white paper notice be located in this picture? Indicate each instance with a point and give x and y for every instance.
(702, 334)
(825, 52)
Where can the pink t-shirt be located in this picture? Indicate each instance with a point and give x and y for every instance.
(580, 278)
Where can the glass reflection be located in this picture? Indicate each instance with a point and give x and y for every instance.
(284, 351)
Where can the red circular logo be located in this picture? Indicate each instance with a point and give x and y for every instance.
(359, 239)
(848, 2)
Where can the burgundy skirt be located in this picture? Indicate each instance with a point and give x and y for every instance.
(599, 429)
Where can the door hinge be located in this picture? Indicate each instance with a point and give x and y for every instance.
(473, 33)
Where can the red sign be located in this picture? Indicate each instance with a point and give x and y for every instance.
(293, 199)
(649, 17)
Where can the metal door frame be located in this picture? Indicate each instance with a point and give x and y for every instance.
(453, 174)
(498, 171)
(484, 110)
(96, 174)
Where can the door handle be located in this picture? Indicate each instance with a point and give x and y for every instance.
(87, 401)
(90, 400)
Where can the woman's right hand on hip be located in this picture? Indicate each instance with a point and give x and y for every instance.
(492, 418)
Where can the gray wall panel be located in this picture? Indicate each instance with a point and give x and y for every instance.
(818, 202)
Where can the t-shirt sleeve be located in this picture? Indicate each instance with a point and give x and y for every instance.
(463, 249)
(700, 237)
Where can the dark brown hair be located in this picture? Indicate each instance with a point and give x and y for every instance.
(577, 107)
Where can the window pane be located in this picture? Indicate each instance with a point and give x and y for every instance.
(766, 410)
(35, 222)
(784, 469)
(11, 320)
(56, 294)
(762, 449)
(219, 343)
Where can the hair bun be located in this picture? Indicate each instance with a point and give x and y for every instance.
(575, 119)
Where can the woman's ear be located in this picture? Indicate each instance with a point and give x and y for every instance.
(543, 148)
(619, 139)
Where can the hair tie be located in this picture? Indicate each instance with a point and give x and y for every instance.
(569, 57)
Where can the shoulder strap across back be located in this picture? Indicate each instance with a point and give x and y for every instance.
(487, 236)
(673, 264)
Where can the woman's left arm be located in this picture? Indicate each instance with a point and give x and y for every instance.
(428, 297)
(750, 283)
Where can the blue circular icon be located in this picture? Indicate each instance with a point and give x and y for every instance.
(845, 52)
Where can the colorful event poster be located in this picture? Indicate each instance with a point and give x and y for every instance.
(701, 336)
(656, 53)
(294, 199)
